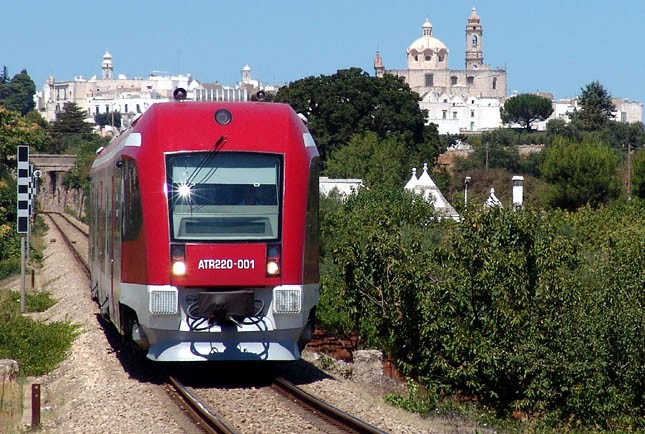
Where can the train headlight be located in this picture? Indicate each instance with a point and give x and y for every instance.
(178, 268)
(178, 259)
(273, 261)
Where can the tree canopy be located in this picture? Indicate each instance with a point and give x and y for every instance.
(525, 109)
(596, 108)
(351, 101)
(113, 118)
(638, 174)
(377, 161)
(69, 128)
(17, 130)
(580, 174)
(18, 93)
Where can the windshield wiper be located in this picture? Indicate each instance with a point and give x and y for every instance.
(205, 160)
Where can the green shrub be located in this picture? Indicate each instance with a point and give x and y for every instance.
(39, 301)
(9, 266)
(38, 347)
(372, 251)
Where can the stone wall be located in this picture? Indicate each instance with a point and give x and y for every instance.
(51, 194)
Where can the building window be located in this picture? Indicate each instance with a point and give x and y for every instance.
(416, 57)
(126, 108)
(470, 79)
(441, 57)
(444, 114)
(429, 80)
(472, 126)
(454, 115)
(453, 80)
(623, 117)
(97, 109)
(472, 113)
(474, 41)
(107, 108)
(138, 109)
(494, 83)
(428, 58)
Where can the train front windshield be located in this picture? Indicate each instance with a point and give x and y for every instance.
(224, 196)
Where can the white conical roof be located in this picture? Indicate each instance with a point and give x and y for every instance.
(413, 181)
(493, 200)
(429, 190)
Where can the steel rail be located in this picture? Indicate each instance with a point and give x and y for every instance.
(204, 417)
(347, 420)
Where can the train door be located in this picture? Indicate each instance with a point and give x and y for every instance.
(104, 247)
(113, 232)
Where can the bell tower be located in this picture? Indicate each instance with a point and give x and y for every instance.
(107, 67)
(379, 69)
(474, 52)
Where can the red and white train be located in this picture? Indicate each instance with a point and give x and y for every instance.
(204, 239)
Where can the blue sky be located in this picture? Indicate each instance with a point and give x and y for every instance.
(555, 46)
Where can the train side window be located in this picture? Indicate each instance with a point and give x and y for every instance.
(132, 213)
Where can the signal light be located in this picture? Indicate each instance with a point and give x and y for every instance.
(179, 94)
(178, 259)
(274, 257)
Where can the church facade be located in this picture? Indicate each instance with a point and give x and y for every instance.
(457, 100)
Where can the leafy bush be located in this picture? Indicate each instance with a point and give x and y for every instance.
(539, 312)
(373, 251)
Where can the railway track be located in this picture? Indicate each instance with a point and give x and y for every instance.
(75, 236)
(73, 241)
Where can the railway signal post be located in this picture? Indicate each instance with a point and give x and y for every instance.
(23, 214)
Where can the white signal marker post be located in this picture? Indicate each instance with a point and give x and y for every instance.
(23, 214)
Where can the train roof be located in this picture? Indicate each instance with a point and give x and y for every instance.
(187, 123)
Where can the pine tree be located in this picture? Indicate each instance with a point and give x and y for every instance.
(596, 108)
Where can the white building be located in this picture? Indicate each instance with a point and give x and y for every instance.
(133, 96)
(626, 111)
(344, 187)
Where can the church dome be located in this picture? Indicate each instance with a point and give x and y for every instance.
(427, 41)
